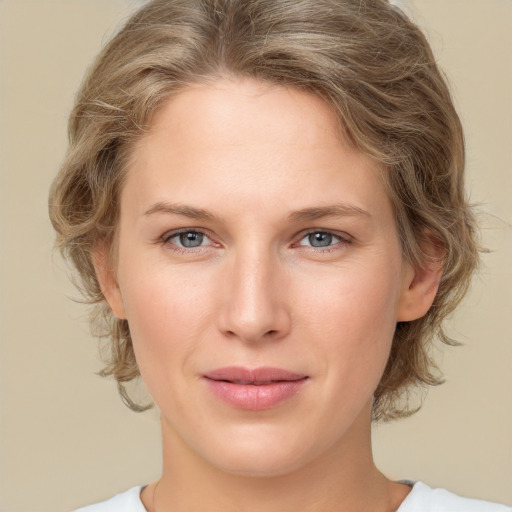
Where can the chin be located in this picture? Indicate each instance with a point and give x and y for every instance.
(263, 455)
(261, 464)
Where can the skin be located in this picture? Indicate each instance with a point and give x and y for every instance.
(256, 292)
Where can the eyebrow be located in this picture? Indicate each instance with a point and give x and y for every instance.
(305, 214)
(179, 209)
(335, 210)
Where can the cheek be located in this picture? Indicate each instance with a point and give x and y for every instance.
(353, 318)
(358, 300)
(167, 314)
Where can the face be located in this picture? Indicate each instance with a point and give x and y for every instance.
(261, 276)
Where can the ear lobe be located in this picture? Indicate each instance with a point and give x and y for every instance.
(419, 290)
(108, 281)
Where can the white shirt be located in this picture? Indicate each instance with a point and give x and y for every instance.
(421, 499)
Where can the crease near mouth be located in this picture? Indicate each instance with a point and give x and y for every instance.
(257, 383)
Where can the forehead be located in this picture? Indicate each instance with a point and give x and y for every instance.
(252, 143)
(248, 105)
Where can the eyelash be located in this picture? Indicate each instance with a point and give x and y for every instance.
(343, 240)
(167, 237)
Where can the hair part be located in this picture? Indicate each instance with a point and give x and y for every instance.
(365, 58)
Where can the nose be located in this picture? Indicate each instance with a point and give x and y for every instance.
(255, 307)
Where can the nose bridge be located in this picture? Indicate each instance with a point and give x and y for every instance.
(255, 307)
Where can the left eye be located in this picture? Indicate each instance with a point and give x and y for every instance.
(188, 239)
(320, 239)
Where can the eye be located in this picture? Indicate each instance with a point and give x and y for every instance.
(321, 239)
(187, 239)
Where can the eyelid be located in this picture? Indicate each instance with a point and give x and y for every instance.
(175, 232)
(168, 235)
(344, 238)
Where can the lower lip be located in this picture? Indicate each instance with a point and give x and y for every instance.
(252, 397)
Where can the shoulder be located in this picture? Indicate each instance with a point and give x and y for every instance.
(422, 498)
(127, 501)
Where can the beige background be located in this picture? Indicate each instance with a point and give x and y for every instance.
(66, 439)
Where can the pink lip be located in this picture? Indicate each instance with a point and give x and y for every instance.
(254, 389)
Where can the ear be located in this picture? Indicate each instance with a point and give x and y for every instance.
(420, 285)
(108, 280)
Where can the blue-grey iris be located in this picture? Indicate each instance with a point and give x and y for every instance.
(191, 239)
(320, 239)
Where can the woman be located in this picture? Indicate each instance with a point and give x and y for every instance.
(266, 201)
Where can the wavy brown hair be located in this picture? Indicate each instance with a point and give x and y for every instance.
(364, 57)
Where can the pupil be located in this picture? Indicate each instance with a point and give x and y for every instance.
(320, 239)
(191, 239)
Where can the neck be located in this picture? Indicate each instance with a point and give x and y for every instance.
(344, 479)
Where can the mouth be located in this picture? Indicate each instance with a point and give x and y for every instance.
(254, 389)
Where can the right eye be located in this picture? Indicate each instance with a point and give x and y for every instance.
(320, 239)
(186, 239)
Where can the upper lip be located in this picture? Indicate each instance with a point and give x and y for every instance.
(261, 375)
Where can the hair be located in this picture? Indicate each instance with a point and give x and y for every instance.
(365, 58)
